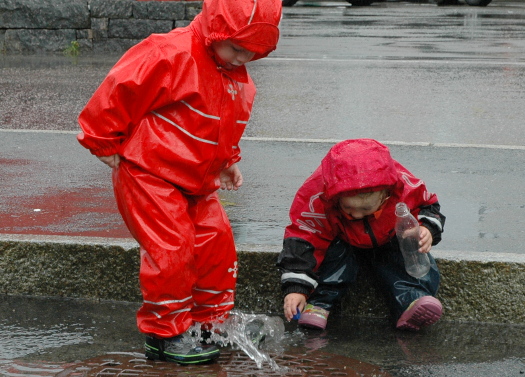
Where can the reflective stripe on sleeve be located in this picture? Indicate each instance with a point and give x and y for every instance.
(296, 276)
(432, 220)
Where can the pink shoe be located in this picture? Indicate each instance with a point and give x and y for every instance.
(314, 317)
(422, 312)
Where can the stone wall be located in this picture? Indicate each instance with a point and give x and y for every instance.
(99, 26)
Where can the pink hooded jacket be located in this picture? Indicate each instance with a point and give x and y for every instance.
(168, 107)
(351, 167)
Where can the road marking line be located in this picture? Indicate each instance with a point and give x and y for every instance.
(329, 141)
(39, 131)
(393, 60)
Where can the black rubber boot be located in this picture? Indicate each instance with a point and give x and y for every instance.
(180, 350)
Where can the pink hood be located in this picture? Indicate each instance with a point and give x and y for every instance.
(354, 166)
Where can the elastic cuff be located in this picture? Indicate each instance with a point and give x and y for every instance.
(297, 288)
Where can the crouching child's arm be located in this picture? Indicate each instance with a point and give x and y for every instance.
(298, 279)
(432, 222)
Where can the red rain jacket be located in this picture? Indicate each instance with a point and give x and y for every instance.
(175, 116)
(168, 107)
(351, 167)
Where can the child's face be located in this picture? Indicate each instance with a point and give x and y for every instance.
(231, 55)
(358, 206)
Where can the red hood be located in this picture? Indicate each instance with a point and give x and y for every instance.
(354, 166)
(251, 24)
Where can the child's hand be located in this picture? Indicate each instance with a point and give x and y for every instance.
(292, 303)
(112, 161)
(425, 240)
(231, 178)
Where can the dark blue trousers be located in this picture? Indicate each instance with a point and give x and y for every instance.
(342, 262)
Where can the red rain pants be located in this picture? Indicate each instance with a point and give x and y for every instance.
(188, 266)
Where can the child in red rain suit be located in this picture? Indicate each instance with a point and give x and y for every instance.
(342, 217)
(168, 119)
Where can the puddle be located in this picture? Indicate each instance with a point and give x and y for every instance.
(17, 342)
(40, 335)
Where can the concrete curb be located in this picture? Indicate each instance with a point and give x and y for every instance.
(478, 287)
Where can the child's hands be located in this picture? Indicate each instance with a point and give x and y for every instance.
(112, 161)
(425, 240)
(292, 301)
(231, 178)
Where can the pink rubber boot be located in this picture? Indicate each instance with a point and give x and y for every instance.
(314, 317)
(422, 312)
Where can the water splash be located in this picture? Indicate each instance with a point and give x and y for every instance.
(255, 334)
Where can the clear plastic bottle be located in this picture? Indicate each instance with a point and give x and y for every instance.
(407, 230)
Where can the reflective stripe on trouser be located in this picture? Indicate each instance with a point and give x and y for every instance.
(188, 264)
(340, 266)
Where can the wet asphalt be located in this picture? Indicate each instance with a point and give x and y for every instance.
(442, 86)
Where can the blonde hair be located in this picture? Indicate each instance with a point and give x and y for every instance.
(365, 195)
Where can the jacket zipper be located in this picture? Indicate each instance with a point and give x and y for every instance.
(370, 232)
